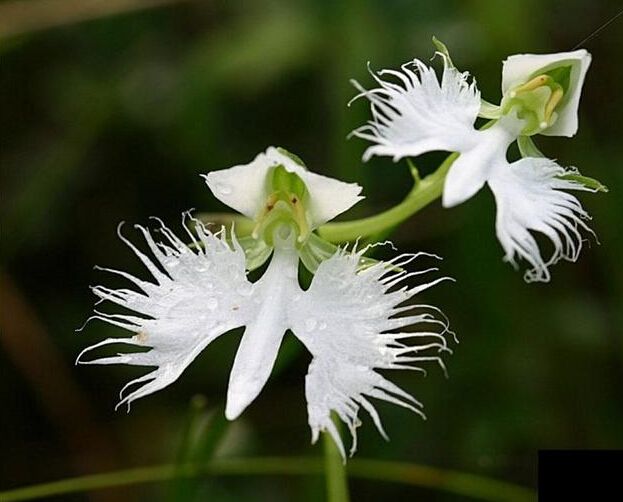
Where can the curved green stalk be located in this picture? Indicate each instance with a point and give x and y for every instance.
(335, 471)
(459, 483)
(423, 193)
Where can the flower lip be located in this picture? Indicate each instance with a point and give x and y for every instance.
(353, 322)
(521, 68)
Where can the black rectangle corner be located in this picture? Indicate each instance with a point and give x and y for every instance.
(582, 475)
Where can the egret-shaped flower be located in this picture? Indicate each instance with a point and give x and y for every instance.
(355, 318)
(414, 113)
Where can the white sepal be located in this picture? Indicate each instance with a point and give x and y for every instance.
(414, 113)
(520, 68)
(245, 187)
(197, 296)
(355, 323)
(531, 197)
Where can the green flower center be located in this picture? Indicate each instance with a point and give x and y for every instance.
(285, 205)
(536, 101)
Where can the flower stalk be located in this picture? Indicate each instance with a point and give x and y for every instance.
(457, 483)
(423, 193)
(335, 471)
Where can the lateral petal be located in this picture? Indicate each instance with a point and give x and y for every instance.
(532, 196)
(195, 299)
(414, 113)
(354, 323)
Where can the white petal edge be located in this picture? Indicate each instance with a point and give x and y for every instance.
(519, 68)
(196, 298)
(532, 197)
(244, 189)
(355, 323)
(414, 113)
(471, 169)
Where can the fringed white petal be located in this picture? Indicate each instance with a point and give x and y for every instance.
(521, 68)
(356, 322)
(414, 113)
(244, 188)
(199, 294)
(531, 196)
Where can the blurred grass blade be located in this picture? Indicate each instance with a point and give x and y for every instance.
(201, 436)
(253, 54)
(42, 190)
(459, 483)
(19, 16)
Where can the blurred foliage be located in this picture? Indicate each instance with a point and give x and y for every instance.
(114, 119)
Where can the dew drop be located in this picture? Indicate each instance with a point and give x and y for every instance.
(245, 289)
(310, 324)
(323, 325)
(170, 262)
(223, 188)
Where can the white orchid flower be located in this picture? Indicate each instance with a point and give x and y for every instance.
(353, 320)
(414, 113)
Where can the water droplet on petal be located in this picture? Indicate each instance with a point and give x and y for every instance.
(323, 325)
(310, 324)
(223, 188)
(245, 289)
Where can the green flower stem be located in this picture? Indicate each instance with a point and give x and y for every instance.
(458, 483)
(423, 193)
(335, 472)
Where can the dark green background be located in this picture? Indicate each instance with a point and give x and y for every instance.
(114, 119)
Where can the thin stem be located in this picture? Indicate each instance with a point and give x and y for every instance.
(467, 485)
(422, 194)
(335, 472)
